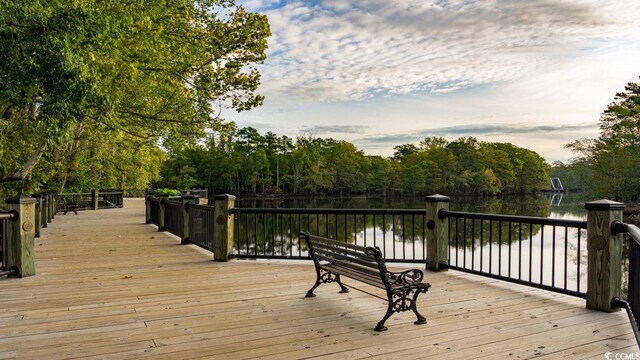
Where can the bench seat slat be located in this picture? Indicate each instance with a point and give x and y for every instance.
(340, 254)
(350, 265)
(371, 280)
(359, 253)
(332, 242)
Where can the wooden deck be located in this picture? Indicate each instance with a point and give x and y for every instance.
(110, 287)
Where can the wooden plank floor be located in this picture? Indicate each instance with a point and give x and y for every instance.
(110, 287)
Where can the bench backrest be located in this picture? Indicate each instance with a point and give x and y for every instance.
(366, 260)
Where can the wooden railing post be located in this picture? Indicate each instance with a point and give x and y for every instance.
(184, 215)
(50, 206)
(21, 233)
(604, 280)
(437, 232)
(223, 227)
(44, 210)
(95, 195)
(37, 214)
(54, 204)
(147, 209)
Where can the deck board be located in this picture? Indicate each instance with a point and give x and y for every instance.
(110, 287)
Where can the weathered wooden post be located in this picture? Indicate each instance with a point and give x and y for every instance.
(437, 232)
(44, 210)
(147, 209)
(21, 233)
(54, 204)
(604, 249)
(223, 227)
(186, 200)
(95, 195)
(50, 206)
(37, 214)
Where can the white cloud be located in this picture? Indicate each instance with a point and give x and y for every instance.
(345, 50)
(395, 67)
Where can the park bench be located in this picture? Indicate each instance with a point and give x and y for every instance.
(334, 259)
(64, 207)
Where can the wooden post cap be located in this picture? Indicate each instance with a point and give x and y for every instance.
(604, 204)
(21, 199)
(224, 197)
(437, 198)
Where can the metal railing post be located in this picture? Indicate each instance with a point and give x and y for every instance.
(21, 233)
(161, 211)
(437, 233)
(604, 262)
(184, 215)
(223, 227)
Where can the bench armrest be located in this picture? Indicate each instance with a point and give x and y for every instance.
(407, 276)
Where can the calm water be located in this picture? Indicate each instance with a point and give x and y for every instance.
(547, 255)
(565, 206)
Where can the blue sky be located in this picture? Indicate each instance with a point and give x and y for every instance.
(381, 73)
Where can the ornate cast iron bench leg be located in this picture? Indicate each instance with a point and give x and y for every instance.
(323, 277)
(414, 307)
(390, 310)
(400, 301)
(343, 289)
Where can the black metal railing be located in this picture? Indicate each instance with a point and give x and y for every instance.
(5, 217)
(173, 217)
(273, 233)
(83, 201)
(539, 252)
(201, 225)
(154, 210)
(3, 251)
(632, 302)
(110, 199)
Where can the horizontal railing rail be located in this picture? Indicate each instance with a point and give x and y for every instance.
(539, 252)
(8, 215)
(273, 233)
(632, 302)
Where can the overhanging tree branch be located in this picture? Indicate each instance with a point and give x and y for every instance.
(28, 166)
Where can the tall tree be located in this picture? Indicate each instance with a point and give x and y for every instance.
(149, 69)
(613, 159)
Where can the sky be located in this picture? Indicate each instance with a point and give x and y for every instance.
(381, 73)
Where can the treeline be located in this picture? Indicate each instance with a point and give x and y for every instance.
(243, 161)
(609, 166)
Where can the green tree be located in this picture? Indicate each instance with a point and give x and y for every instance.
(151, 70)
(613, 159)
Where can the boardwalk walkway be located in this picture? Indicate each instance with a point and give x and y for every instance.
(110, 287)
